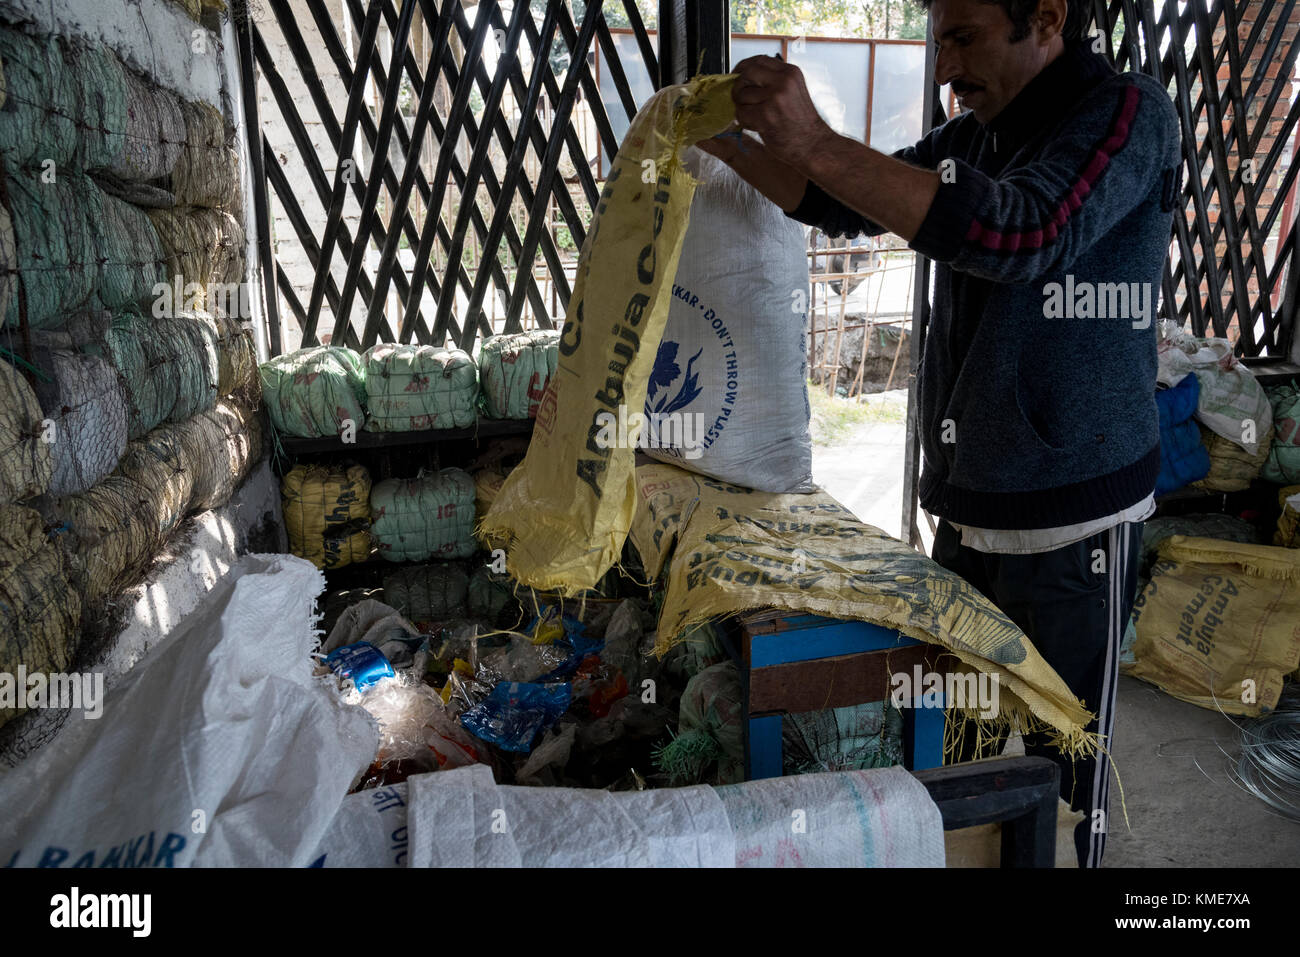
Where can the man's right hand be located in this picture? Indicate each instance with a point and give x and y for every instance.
(782, 184)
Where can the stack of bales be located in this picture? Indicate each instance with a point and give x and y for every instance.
(122, 410)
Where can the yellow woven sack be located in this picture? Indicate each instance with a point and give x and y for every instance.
(726, 549)
(564, 513)
(327, 514)
(1218, 624)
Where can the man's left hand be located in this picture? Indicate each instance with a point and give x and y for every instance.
(772, 100)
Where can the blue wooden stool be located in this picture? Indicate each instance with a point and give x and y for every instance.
(800, 663)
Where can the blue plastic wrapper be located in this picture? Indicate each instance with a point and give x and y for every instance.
(515, 713)
(363, 663)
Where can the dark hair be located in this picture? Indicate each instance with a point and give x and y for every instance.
(1020, 11)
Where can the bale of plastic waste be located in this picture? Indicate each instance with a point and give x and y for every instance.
(431, 516)
(194, 353)
(87, 408)
(129, 253)
(111, 536)
(314, 392)
(203, 246)
(412, 387)
(220, 445)
(40, 612)
(158, 462)
(236, 354)
(490, 595)
(26, 462)
(8, 260)
(207, 171)
(327, 514)
(514, 370)
(1283, 463)
(153, 134)
(427, 592)
(52, 239)
(39, 118)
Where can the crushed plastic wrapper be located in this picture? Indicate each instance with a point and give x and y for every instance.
(362, 663)
(514, 713)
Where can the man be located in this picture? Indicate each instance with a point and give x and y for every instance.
(1047, 210)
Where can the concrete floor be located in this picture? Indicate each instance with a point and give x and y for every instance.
(1183, 809)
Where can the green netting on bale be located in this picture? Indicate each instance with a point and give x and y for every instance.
(40, 613)
(1283, 464)
(410, 387)
(57, 266)
(514, 370)
(158, 463)
(203, 246)
(168, 365)
(424, 593)
(207, 172)
(236, 355)
(8, 261)
(426, 517)
(154, 134)
(195, 355)
(127, 250)
(38, 121)
(220, 447)
(491, 596)
(111, 536)
(87, 408)
(315, 391)
(76, 104)
(26, 463)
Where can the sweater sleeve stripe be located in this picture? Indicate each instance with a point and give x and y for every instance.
(1121, 126)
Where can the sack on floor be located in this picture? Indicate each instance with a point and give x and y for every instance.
(1218, 624)
(728, 395)
(564, 513)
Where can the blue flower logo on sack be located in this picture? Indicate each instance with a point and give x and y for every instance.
(672, 389)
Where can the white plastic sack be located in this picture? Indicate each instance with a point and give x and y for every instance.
(878, 818)
(219, 748)
(728, 396)
(368, 831)
(1232, 403)
(461, 818)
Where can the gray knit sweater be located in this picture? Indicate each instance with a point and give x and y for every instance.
(1049, 235)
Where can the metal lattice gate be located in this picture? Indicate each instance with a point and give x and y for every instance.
(458, 159)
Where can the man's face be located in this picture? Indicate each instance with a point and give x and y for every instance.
(976, 55)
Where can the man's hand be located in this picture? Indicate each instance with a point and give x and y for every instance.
(772, 100)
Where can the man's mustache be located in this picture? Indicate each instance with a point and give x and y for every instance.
(961, 88)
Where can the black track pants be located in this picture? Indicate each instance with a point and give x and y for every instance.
(1073, 603)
